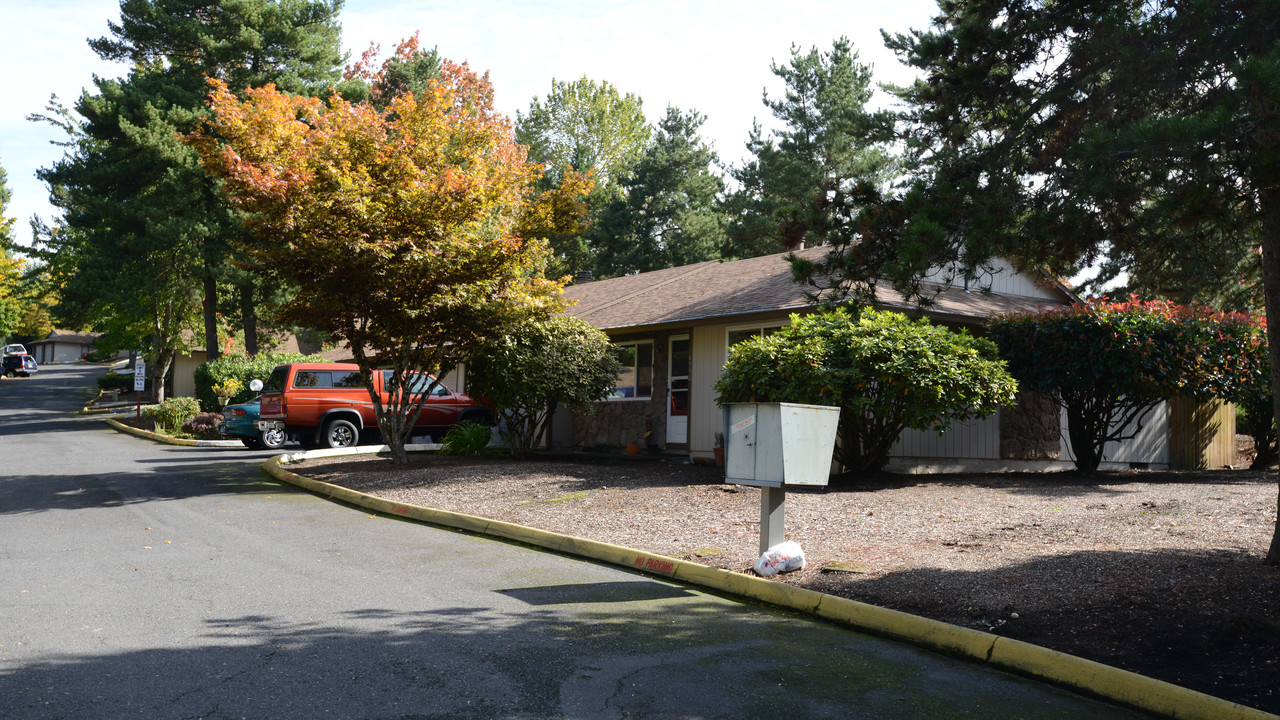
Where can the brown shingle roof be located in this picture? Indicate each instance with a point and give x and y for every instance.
(715, 290)
(85, 337)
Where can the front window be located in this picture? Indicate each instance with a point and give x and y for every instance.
(635, 379)
(740, 334)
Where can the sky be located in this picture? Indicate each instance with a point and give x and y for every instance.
(710, 55)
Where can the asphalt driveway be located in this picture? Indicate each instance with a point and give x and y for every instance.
(152, 581)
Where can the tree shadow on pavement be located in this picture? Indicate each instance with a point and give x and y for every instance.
(688, 657)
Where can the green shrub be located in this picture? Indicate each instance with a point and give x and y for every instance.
(203, 425)
(115, 381)
(1109, 364)
(883, 370)
(242, 369)
(172, 413)
(466, 438)
(539, 366)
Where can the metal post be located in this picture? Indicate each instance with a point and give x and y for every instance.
(773, 510)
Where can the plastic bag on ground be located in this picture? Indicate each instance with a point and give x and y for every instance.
(781, 558)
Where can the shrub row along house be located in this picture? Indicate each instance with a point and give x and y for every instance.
(674, 327)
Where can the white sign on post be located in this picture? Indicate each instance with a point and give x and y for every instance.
(139, 376)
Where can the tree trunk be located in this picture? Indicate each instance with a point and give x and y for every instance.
(1270, 203)
(159, 370)
(1084, 440)
(211, 348)
(249, 319)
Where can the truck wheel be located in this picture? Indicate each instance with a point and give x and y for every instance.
(272, 439)
(340, 434)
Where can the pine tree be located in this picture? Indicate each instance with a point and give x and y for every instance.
(1146, 133)
(804, 183)
(129, 185)
(668, 213)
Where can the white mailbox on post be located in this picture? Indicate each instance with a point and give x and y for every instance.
(772, 445)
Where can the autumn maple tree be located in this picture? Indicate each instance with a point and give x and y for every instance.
(410, 227)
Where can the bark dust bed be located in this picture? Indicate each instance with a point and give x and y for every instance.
(1158, 573)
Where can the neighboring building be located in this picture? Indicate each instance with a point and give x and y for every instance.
(675, 327)
(62, 346)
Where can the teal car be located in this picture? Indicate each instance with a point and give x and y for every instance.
(241, 422)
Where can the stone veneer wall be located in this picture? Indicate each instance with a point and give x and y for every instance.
(615, 423)
(1031, 429)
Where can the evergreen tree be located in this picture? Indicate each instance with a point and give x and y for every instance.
(805, 182)
(667, 214)
(1058, 133)
(130, 185)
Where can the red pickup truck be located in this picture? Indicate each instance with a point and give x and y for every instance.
(327, 405)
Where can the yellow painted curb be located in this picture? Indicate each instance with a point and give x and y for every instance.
(1102, 681)
(185, 442)
(149, 435)
(1121, 686)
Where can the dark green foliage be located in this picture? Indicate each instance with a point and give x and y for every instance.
(561, 361)
(204, 425)
(95, 356)
(807, 184)
(885, 371)
(115, 381)
(667, 214)
(145, 233)
(172, 413)
(1109, 364)
(242, 368)
(1139, 131)
(410, 69)
(1257, 420)
(467, 438)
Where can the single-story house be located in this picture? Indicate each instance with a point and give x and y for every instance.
(675, 327)
(62, 346)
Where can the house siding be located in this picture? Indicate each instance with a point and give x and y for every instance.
(1006, 281)
(614, 424)
(968, 440)
(1148, 448)
(706, 361)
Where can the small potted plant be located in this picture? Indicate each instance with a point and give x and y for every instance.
(226, 390)
(718, 449)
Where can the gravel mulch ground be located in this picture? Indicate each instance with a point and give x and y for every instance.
(1159, 573)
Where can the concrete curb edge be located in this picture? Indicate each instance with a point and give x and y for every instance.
(186, 442)
(1086, 676)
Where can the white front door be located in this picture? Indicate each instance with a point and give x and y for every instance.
(678, 390)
